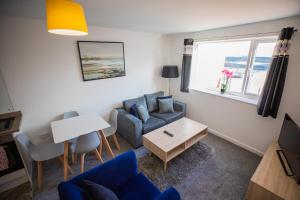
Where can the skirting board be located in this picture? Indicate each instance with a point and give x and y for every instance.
(236, 142)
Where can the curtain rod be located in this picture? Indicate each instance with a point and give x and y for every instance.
(236, 36)
(239, 36)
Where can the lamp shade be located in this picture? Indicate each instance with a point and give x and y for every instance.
(65, 17)
(170, 71)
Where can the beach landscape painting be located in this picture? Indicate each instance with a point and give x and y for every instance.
(101, 60)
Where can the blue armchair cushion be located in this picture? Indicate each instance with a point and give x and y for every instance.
(70, 191)
(134, 110)
(95, 191)
(168, 117)
(152, 124)
(165, 105)
(151, 100)
(143, 113)
(138, 101)
(139, 187)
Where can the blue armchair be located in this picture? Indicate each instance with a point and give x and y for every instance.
(121, 176)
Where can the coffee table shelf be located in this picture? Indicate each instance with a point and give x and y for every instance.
(186, 133)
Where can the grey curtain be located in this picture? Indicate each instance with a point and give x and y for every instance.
(186, 65)
(270, 98)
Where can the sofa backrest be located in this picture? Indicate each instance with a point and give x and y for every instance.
(151, 100)
(139, 101)
(148, 101)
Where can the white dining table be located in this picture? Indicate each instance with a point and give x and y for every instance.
(67, 129)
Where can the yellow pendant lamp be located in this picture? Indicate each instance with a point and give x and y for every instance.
(65, 17)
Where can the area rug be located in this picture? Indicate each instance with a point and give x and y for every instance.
(178, 168)
(212, 169)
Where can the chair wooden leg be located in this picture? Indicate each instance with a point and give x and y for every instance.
(66, 149)
(100, 147)
(106, 144)
(40, 174)
(61, 159)
(114, 136)
(82, 162)
(98, 155)
(73, 158)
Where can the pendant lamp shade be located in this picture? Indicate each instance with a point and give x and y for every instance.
(65, 17)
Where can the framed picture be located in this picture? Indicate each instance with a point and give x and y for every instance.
(101, 60)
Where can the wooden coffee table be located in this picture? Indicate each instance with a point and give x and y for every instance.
(186, 133)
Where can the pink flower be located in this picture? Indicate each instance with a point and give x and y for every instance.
(229, 74)
(224, 71)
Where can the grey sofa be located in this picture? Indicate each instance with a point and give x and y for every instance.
(132, 128)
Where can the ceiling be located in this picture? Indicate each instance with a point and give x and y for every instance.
(165, 16)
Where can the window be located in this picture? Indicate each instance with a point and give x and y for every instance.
(247, 59)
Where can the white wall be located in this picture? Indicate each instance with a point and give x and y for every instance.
(233, 120)
(5, 103)
(43, 75)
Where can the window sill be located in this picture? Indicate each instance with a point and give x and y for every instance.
(248, 100)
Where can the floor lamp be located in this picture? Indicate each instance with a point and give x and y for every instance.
(170, 71)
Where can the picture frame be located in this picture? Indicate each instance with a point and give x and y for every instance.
(101, 59)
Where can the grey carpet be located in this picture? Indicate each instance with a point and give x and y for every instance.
(211, 169)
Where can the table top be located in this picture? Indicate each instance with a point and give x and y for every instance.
(182, 129)
(270, 175)
(70, 128)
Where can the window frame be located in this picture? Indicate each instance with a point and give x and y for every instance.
(243, 95)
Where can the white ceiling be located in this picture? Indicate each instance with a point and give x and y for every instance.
(165, 16)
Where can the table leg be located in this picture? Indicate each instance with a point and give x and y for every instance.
(66, 144)
(106, 144)
(165, 166)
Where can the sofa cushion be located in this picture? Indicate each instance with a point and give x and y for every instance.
(152, 123)
(134, 111)
(138, 101)
(168, 117)
(138, 187)
(165, 105)
(151, 100)
(95, 191)
(143, 113)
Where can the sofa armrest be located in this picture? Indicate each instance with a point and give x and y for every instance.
(169, 194)
(130, 128)
(179, 106)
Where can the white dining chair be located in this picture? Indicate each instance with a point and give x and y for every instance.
(111, 131)
(84, 144)
(40, 153)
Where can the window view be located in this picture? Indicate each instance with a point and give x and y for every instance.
(237, 67)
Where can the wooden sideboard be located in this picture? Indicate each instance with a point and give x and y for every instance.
(269, 182)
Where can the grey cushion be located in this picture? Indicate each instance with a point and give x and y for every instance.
(143, 113)
(152, 124)
(151, 100)
(168, 117)
(97, 192)
(138, 101)
(165, 105)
